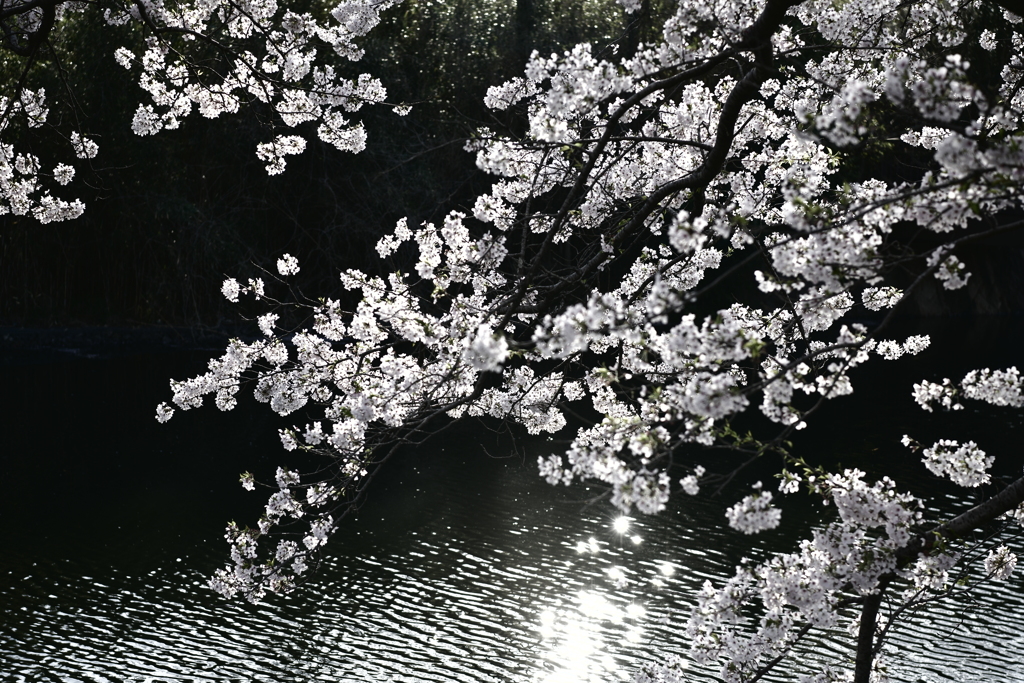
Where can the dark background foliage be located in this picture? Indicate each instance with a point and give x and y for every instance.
(168, 217)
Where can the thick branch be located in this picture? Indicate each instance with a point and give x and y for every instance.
(1008, 499)
(36, 37)
(22, 8)
(866, 634)
(757, 39)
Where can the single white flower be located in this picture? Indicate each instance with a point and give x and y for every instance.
(287, 265)
(63, 173)
(230, 290)
(1000, 563)
(164, 413)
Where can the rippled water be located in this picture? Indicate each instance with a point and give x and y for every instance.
(462, 566)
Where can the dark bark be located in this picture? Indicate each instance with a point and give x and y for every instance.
(20, 42)
(756, 39)
(866, 633)
(1008, 499)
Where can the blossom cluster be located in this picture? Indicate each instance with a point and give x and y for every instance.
(995, 387)
(273, 59)
(211, 58)
(805, 587)
(22, 189)
(754, 513)
(1000, 563)
(964, 464)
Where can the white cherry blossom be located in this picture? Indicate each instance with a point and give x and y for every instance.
(671, 246)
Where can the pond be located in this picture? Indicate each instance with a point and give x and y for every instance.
(462, 566)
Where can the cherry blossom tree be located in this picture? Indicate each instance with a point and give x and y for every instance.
(741, 150)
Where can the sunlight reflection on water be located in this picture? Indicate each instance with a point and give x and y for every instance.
(460, 568)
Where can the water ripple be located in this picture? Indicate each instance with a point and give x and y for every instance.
(470, 588)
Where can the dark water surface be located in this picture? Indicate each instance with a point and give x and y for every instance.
(463, 566)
